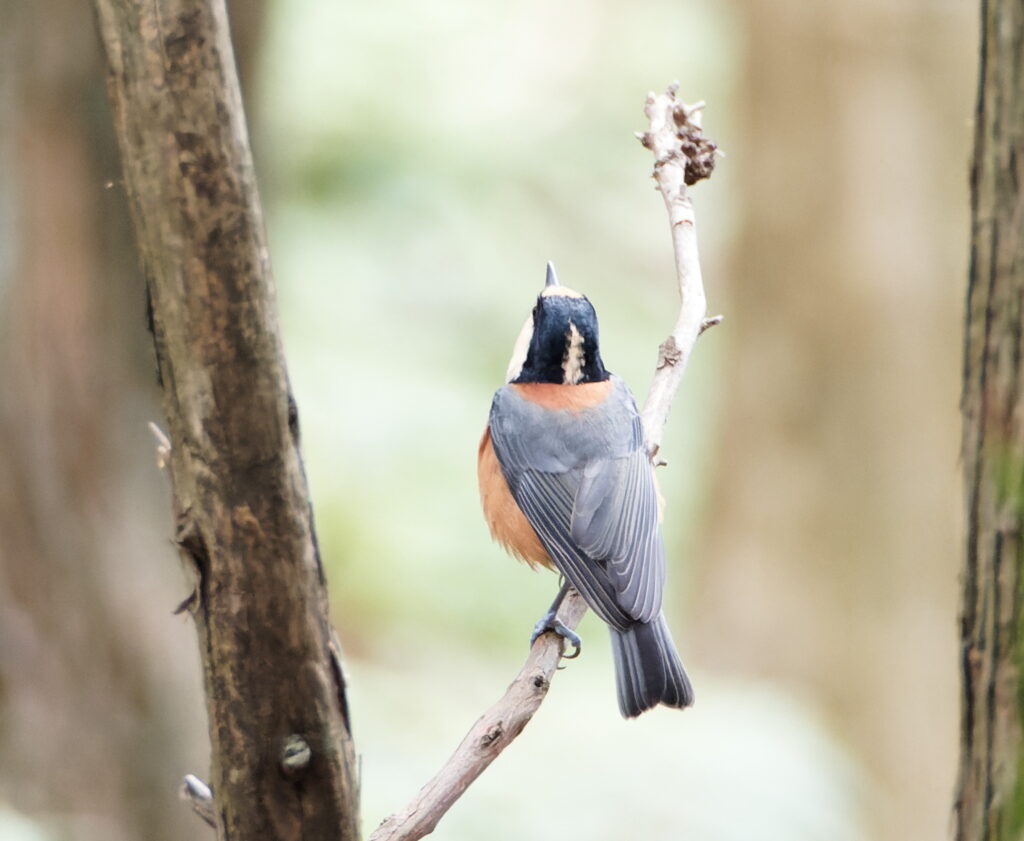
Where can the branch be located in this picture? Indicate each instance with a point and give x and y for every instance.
(492, 733)
(682, 156)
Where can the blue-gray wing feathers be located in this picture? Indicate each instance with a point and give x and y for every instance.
(615, 518)
(585, 484)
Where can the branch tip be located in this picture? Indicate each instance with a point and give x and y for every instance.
(708, 323)
(189, 603)
(200, 797)
(163, 445)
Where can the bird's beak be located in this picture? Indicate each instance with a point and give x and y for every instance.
(552, 278)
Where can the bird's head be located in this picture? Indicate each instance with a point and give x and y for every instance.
(559, 341)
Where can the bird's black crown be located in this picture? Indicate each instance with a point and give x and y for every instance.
(564, 346)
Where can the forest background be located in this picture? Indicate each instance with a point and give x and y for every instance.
(419, 163)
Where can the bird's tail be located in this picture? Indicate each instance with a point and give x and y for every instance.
(647, 668)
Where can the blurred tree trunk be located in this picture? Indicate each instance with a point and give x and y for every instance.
(990, 798)
(283, 765)
(829, 563)
(100, 700)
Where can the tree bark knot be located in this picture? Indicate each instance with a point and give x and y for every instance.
(296, 755)
(492, 735)
(189, 540)
(669, 354)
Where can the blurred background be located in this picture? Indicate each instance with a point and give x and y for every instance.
(419, 163)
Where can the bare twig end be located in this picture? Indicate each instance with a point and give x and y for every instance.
(199, 797)
(163, 445)
(708, 323)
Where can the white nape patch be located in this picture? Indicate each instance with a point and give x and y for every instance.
(562, 291)
(572, 364)
(519, 351)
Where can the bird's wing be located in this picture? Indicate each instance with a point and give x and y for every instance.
(585, 485)
(615, 519)
(546, 500)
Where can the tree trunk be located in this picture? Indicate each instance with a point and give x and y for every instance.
(990, 797)
(282, 764)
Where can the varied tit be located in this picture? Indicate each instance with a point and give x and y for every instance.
(566, 482)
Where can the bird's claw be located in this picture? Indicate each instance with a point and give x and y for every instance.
(552, 623)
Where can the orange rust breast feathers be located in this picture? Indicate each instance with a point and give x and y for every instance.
(505, 519)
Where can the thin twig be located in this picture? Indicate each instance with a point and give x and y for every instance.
(491, 734)
(682, 156)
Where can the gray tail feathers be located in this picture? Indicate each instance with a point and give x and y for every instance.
(647, 669)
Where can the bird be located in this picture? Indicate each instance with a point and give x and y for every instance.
(566, 483)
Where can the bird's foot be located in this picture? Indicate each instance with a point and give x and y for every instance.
(550, 622)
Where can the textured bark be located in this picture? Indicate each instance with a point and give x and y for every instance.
(990, 798)
(244, 519)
